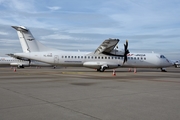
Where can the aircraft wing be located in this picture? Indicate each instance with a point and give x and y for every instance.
(107, 46)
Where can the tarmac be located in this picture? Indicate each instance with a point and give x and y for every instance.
(84, 94)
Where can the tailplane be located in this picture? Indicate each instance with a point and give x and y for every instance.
(28, 42)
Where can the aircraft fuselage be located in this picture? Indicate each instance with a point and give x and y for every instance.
(91, 60)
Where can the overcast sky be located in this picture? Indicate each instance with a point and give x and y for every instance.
(149, 25)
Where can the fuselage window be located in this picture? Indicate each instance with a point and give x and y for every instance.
(111, 57)
(108, 57)
(88, 57)
(62, 56)
(105, 57)
(91, 57)
(131, 58)
(101, 57)
(78, 56)
(71, 56)
(81, 56)
(141, 58)
(128, 57)
(135, 58)
(144, 58)
(65, 56)
(98, 57)
(68, 56)
(84, 57)
(74, 56)
(95, 57)
(138, 58)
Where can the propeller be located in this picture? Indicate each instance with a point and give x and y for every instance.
(126, 51)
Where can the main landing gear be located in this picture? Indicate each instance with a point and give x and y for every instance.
(163, 70)
(101, 69)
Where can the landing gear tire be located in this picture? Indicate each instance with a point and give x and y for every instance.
(20, 66)
(101, 69)
(163, 70)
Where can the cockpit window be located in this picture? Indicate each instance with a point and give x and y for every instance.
(162, 56)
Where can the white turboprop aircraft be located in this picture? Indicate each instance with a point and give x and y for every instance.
(104, 57)
(20, 63)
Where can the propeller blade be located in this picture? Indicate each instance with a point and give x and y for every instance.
(125, 59)
(126, 51)
(127, 43)
(29, 61)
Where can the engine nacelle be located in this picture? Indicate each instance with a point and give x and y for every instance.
(117, 52)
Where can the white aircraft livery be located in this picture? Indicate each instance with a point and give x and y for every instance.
(106, 56)
(9, 61)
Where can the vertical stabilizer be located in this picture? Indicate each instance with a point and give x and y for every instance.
(28, 42)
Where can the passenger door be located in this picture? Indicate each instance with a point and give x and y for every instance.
(56, 59)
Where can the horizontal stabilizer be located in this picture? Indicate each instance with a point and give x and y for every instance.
(20, 28)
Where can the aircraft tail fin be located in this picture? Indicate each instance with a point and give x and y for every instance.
(28, 42)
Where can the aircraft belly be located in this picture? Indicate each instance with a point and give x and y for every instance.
(140, 64)
(71, 63)
(98, 64)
